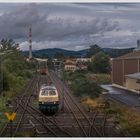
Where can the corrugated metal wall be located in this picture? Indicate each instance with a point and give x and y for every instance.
(130, 66)
(122, 67)
(117, 72)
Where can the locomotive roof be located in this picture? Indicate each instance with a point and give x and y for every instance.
(48, 87)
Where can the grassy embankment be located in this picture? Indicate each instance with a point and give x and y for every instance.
(127, 118)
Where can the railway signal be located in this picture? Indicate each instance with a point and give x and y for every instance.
(10, 118)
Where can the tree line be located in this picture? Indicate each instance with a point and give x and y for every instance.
(15, 70)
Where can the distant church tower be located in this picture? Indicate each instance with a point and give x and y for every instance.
(30, 43)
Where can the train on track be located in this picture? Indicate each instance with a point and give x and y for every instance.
(42, 67)
(43, 71)
(48, 99)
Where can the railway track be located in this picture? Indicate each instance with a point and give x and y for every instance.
(25, 106)
(31, 91)
(73, 106)
(44, 121)
(72, 122)
(20, 98)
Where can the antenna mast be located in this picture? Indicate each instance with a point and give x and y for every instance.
(30, 43)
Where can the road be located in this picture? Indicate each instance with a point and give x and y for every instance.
(122, 96)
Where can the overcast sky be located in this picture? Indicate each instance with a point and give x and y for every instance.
(71, 26)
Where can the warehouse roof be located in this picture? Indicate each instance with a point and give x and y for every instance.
(134, 75)
(134, 54)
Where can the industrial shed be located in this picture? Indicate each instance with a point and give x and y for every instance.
(125, 65)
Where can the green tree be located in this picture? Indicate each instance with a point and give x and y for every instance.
(93, 50)
(59, 55)
(100, 63)
(8, 44)
(83, 87)
(15, 68)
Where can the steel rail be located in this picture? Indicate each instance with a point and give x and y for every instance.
(50, 120)
(84, 132)
(66, 101)
(17, 107)
(44, 125)
(32, 89)
(90, 129)
(103, 124)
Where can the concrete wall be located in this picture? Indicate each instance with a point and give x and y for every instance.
(132, 84)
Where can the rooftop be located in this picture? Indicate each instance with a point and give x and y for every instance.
(134, 75)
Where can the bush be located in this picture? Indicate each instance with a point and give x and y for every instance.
(100, 63)
(100, 78)
(82, 87)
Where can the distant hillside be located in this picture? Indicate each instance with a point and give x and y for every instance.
(51, 52)
(117, 52)
(82, 53)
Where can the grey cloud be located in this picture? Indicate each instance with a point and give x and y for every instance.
(71, 26)
(15, 24)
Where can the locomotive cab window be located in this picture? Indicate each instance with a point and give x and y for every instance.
(44, 93)
(52, 93)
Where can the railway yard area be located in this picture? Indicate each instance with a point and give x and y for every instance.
(71, 120)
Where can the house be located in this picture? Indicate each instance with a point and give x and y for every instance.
(83, 59)
(70, 65)
(81, 66)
